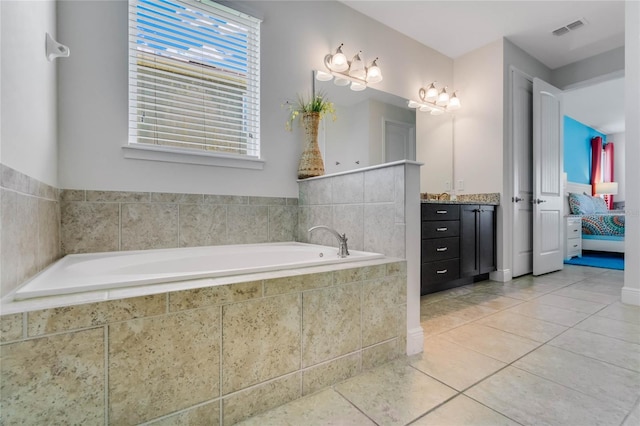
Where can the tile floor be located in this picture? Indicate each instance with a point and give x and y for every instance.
(559, 349)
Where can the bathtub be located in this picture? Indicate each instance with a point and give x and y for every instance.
(78, 273)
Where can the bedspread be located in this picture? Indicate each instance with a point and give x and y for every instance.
(603, 224)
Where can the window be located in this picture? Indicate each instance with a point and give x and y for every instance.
(194, 79)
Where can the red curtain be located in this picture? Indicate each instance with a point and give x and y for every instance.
(607, 172)
(596, 163)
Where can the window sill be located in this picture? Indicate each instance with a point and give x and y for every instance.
(177, 155)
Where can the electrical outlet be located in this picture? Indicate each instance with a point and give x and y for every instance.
(460, 185)
(447, 186)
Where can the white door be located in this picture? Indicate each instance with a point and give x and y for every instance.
(399, 141)
(522, 106)
(547, 178)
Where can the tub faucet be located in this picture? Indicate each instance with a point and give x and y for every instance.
(343, 250)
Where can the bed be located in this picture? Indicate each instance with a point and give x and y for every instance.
(602, 229)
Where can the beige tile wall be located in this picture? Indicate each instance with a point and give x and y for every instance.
(205, 356)
(29, 227)
(95, 221)
(39, 223)
(368, 206)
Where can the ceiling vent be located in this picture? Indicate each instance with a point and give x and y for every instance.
(570, 27)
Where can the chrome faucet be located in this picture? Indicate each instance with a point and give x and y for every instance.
(343, 250)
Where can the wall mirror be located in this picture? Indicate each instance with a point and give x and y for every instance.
(375, 127)
(372, 127)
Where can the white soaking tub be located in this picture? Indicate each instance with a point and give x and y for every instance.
(78, 273)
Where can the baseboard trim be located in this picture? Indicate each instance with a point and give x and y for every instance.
(415, 341)
(630, 296)
(501, 275)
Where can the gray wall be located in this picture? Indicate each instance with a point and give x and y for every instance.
(593, 68)
(295, 38)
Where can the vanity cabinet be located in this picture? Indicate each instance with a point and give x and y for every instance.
(458, 245)
(477, 240)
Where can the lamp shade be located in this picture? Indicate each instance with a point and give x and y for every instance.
(606, 188)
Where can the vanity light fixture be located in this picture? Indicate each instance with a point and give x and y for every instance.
(352, 72)
(434, 101)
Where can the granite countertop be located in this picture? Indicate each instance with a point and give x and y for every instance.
(487, 199)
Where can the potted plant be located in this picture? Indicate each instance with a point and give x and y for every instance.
(312, 110)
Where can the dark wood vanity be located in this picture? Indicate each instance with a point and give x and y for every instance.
(458, 245)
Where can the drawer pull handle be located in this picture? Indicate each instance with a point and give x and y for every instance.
(442, 271)
(442, 249)
(575, 230)
(441, 211)
(575, 245)
(441, 229)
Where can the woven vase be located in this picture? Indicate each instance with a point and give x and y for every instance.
(311, 163)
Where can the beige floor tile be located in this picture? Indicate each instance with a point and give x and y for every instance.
(462, 410)
(515, 292)
(498, 344)
(531, 328)
(589, 296)
(622, 330)
(395, 393)
(633, 419)
(455, 365)
(597, 286)
(440, 324)
(622, 312)
(493, 301)
(529, 399)
(460, 309)
(572, 304)
(445, 294)
(606, 382)
(577, 271)
(535, 309)
(323, 408)
(607, 349)
(614, 275)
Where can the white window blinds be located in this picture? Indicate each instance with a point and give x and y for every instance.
(194, 77)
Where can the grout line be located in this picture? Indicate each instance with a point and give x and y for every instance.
(106, 374)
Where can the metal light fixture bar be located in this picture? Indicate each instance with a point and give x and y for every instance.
(352, 72)
(435, 101)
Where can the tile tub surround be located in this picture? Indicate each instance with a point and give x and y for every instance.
(368, 206)
(29, 228)
(378, 208)
(99, 221)
(219, 353)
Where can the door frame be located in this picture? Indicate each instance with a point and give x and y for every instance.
(510, 177)
(412, 135)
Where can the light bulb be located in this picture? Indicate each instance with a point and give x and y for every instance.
(443, 97)
(413, 104)
(432, 93)
(437, 112)
(454, 102)
(357, 68)
(374, 75)
(357, 87)
(425, 108)
(339, 61)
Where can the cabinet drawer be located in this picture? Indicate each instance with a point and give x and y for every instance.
(574, 229)
(440, 249)
(440, 211)
(441, 271)
(574, 246)
(441, 229)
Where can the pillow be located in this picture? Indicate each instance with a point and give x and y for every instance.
(581, 204)
(599, 205)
